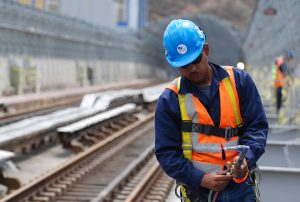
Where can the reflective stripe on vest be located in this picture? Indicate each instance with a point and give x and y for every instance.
(205, 150)
(207, 167)
(228, 91)
(185, 115)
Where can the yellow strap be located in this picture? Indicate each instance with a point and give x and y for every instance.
(182, 99)
(186, 136)
(230, 91)
(178, 83)
(186, 145)
(183, 194)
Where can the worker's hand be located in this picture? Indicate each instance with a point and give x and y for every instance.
(215, 181)
(239, 172)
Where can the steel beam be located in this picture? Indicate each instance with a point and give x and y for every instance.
(279, 184)
(283, 132)
(281, 154)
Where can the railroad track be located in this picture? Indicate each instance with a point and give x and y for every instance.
(37, 132)
(91, 173)
(14, 109)
(26, 135)
(40, 132)
(147, 186)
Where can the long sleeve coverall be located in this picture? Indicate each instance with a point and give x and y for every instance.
(168, 138)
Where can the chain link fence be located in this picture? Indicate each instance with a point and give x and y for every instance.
(64, 52)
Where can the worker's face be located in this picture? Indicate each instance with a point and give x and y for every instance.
(198, 71)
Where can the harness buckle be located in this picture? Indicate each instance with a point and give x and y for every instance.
(186, 146)
(228, 132)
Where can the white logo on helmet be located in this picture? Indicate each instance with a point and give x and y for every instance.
(200, 32)
(181, 49)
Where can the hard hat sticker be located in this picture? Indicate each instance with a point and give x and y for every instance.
(181, 49)
(201, 33)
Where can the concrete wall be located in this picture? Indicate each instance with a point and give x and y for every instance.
(37, 74)
(42, 51)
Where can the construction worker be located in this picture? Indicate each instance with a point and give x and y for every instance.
(280, 75)
(200, 114)
(287, 94)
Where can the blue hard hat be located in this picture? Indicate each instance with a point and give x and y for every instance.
(183, 42)
(290, 54)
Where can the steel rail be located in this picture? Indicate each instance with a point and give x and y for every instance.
(11, 118)
(110, 190)
(152, 174)
(67, 171)
(155, 186)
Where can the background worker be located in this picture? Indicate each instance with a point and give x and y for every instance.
(280, 82)
(203, 112)
(288, 91)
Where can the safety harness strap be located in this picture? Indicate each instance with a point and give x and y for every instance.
(186, 136)
(189, 126)
(230, 89)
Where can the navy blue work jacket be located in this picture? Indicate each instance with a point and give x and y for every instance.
(168, 124)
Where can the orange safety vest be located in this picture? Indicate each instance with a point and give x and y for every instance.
(205, 151)
(279, 76)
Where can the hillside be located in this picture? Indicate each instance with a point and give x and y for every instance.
(238, 12)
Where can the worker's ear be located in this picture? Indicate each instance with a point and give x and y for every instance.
(206, 49)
